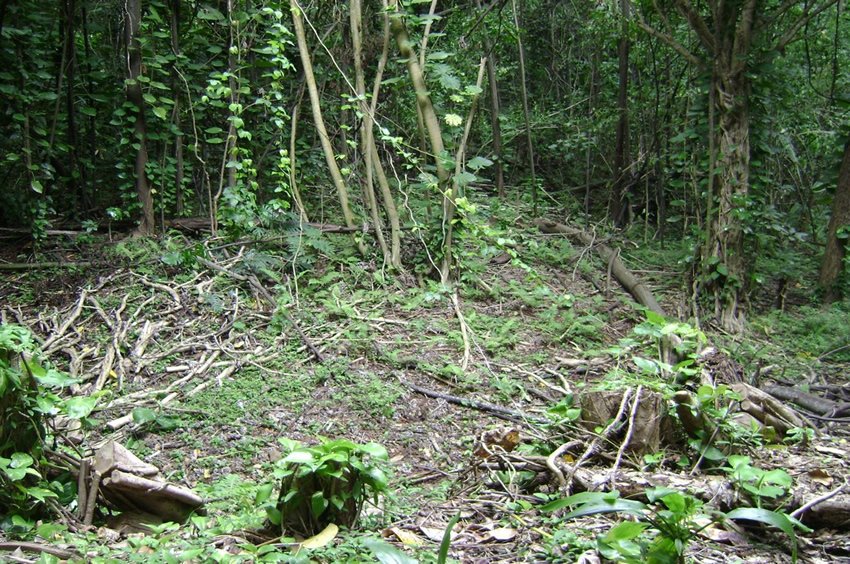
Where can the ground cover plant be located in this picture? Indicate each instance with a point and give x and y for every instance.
(353, 420)
(423, 281)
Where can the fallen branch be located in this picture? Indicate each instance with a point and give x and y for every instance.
(495, 410)
(38, 547)
(24, 266)
(620, 271)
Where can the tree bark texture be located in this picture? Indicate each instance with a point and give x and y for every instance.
(132, 24)
(836, 233)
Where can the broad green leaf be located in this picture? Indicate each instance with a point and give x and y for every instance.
(318, 503)
(79, 407)
(375, 450)
(264, 492)
(477, 163)
(142, 415)
(778, 520)
(617, 506)
(299, 457)
(385, 553)
(626, 530)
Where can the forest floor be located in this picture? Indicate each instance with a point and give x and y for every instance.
(204, 355)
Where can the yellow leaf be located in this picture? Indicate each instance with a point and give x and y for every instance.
(322, 539)
(407, 538)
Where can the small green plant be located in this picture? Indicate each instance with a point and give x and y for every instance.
(675, 518)
(27, 398)
(324, 484)
(759, 484)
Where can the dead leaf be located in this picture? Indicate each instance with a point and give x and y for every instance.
(840, 453)
(820, 476)
(322, 539)
(502, 438)
(407, 538)
(434, 534)
(503, 534)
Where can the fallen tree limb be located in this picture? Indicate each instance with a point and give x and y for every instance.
(495, 410)
(22, 266)
(621, 272)
(38, 547)
(811, 402)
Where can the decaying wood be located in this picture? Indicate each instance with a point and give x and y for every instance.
(768, 410)
(651, 429)
(128, 483)
(621, 272)
(810, 402)
(24, 266)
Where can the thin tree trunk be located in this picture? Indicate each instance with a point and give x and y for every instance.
(448, 265)
(175, 114)
(293, 136)
(725, 266)
(91, 133)
(837, 234)
(386, 193)
(78, 176)
(312, 89)
(423, 47)
(525, 110)
(495, 110)
(356, 24)
(432, 127)
(621, 145)
(132, 24)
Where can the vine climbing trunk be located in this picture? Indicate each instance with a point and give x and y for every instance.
(432, 128)
(723, 265)
(318, 120)
(365, 131)
(132, 25)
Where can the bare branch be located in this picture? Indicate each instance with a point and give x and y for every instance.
(791, 33)
(697, 24)
(744, 35)
(669, 40)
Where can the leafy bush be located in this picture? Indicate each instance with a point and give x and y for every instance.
(27, 399)
(324, 484)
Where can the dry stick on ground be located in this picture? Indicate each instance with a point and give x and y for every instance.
(798, 513)
(38, 547)
(252, 280)
(609, 431)
(612, 476)
(495, 410)
(463, 331)
(552, 461)
(621, 272)
(75, 314)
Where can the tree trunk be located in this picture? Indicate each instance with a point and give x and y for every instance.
(365, 132)
(432, 128)
(175, 116)
(837, 234)
(313, 91)
(723, 262)
(621, 145)
(132, 24)
(525, 111)
(495, 110)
